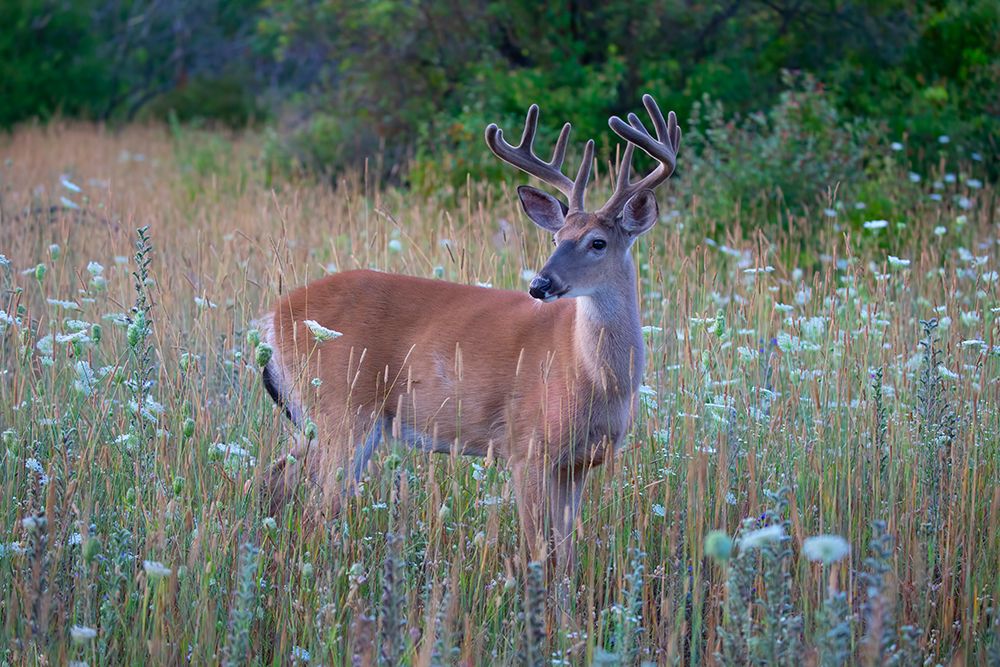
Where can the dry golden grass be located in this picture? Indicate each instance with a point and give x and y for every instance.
(759, 379)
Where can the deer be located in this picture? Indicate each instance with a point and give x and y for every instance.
(546, 381)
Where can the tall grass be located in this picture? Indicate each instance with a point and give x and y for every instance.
(808, 375)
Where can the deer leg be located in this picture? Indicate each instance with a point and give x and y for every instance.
(327, 467)
(529, 488)
(338, 465)
(363, 454)
(283, 476)
(565, 493)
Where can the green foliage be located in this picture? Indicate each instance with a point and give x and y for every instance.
(793, 153)
(451, 148)
(411, 86)
(451, 70)
(942, 82)
(226, 99)
(49, 61)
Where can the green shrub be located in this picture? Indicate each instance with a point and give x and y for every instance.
(790, 155)
(49, 62)
(227, 99)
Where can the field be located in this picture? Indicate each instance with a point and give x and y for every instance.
(827, 370)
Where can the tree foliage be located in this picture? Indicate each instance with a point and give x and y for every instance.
(345, 80)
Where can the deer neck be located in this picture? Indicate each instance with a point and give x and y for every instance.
(608, 334)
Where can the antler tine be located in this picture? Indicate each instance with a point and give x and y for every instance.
(523, 156)
(663, 149)
(624, 169)
(582, 178)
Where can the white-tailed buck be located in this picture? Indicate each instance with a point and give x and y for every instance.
(548, 381)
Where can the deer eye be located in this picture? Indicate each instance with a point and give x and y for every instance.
(598, 244)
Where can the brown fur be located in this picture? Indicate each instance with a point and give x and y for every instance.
(476, 369)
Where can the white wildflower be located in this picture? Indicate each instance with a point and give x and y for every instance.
(826, 549)
(81, 634)
(75, 337)
(970, 318)
(946, 372)
(896, 146)
(233, 450)
(68, 203)
(876, 224)
(940, 230)
(757, 538)
(202, 302)
(914, 177)
(659, 510)
(68, 184)
(974, 183)
(647, 396)
(7, 320)
(787, 342)
(46, 345)
(814, 328)
(85, 378)
(95, 268)
(897, 262)
(155, 569)
(65, 305)
(395, 245)
(321, 333)
(151, 410)
(944, 139)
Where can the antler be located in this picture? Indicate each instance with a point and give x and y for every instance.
(663, 149)
(523, 157)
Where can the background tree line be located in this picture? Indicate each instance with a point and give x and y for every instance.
(336, 81)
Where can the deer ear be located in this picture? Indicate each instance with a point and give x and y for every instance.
(544, 210)
(640, 213)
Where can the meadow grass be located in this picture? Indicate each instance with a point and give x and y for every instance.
(816, 372)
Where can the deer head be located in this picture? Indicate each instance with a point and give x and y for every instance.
(592, 248)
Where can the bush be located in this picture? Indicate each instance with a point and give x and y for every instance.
(49, 62)
(226, 99)
(791, 155)
(320, 143)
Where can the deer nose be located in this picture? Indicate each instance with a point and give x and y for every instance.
(539, 287)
